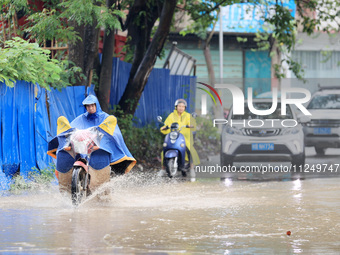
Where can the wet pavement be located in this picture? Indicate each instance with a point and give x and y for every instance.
(146, 214)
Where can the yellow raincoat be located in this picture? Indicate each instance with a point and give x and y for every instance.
(183, 120)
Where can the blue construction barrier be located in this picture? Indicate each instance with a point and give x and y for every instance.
(29, 114)
(42, 129)
(24, 98)
(67, 102)
(160, 92)
(9, 123)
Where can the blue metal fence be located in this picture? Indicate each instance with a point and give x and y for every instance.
(27, 123)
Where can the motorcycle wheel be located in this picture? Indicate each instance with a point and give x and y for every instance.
(79, 185)
(170, 168)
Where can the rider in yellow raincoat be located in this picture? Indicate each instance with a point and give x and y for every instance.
(183, 118)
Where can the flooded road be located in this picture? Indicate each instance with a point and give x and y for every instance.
(147, 214)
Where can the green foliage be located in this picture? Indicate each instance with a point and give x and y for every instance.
(20, 60)
(280, 29)
(36, 179)
(207, 140)
(240, 39)
(88, 11)
(47, 25)
(53, 22)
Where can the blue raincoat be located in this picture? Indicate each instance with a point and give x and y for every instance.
(113, 150)
(87, 120)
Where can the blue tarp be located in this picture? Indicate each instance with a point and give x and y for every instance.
(66, 102)
(4, 180)
(9, 123)
(28, 123)
(24, 97)
(160, 92)
(42, 129)
(119, 79)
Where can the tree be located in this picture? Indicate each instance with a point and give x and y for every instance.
(280, 28)
(140, 22)
(75, 23)
(20, 60)
(148, 22)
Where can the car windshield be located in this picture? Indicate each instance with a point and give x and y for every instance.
(264, 106)
(325, 102)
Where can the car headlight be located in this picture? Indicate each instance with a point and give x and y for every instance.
(291, 131)
(232, 130)
(173, 135)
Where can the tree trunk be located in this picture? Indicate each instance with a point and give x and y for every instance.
(90, 49)
(106, 68)
(83, 52)
(218, 110)
(76, 50)
(138, 80)
(207, 56)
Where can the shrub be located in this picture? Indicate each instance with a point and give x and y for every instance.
(36, 178)
(208, 140)
(144, 143)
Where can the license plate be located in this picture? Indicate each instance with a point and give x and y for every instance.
(262, 147)
(322, 131)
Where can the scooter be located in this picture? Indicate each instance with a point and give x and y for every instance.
(174, 148)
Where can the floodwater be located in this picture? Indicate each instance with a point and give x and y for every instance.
(146, 214)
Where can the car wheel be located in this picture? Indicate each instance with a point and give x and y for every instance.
(320, 151)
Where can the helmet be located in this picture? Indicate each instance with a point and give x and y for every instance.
(181, 101)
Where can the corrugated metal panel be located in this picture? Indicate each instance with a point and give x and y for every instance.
(26, 130)
(42, 128)
(232, 71)
(10, 146)
(119, 79)
(160, 94)
(18, 133)
(67, 102)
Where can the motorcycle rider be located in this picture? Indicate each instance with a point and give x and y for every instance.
(183, 118)
(94, 116)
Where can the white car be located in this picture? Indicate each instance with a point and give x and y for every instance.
(323, 129)
(279, 139)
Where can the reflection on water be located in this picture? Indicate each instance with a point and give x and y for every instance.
(147, 214)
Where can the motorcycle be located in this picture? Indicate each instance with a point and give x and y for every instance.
(75, 147)
(174, 148)
(81, 144)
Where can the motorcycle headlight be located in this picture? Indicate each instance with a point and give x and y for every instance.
(232, 130)
(173, 135)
